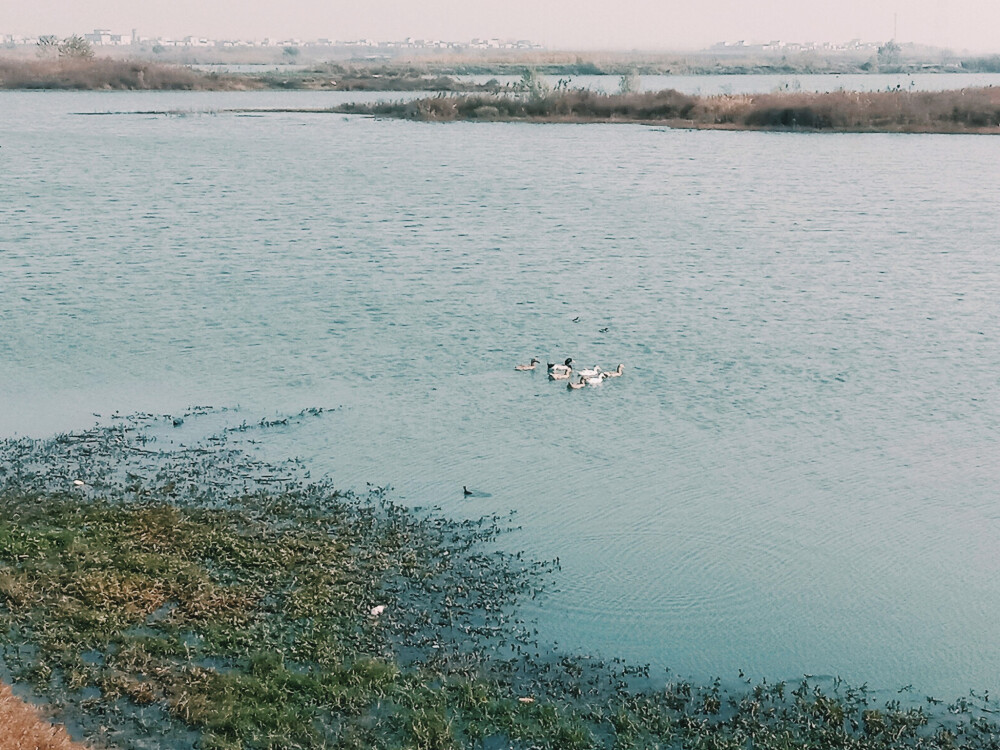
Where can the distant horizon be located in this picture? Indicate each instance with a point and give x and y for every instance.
(567, 25)
(508, 44)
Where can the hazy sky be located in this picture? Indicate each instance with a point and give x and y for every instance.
(583, 24)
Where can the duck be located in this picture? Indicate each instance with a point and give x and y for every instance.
(561, 372)
(567, 363)
(596, 380)
(616, 373)
(531, 366)
(573, 386)
(593, 373)
(466, 492)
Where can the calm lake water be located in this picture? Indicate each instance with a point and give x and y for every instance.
(798, 471)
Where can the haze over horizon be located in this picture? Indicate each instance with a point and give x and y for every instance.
(558, 24)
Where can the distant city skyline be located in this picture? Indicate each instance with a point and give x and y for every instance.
(556, 24)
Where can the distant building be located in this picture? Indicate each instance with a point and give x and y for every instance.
(104, 38)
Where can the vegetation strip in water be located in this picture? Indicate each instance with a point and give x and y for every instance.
(104, 73)
(166, 596)
(975, 110)
(101, 73)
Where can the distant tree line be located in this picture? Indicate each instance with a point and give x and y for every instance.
(982, 64)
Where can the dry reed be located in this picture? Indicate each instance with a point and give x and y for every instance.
(975, 110)
(105, 73)
(22, 729)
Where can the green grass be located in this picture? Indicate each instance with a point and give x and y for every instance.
(158, 600)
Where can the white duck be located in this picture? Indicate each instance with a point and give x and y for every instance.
(561, 372)
(591, 373)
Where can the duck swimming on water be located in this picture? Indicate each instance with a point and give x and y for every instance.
(522, 368)
(615, 373)
(474, 493)
(592, 373)
(573, 386)
(567, 363)
(561, 372)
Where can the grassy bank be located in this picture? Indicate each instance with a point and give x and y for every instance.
(964, 111)
(181, 597)
(104, 73)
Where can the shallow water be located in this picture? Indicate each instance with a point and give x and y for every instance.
(797, 472)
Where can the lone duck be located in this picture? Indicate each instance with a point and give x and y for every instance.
(615, 373)
(561, 372)
(581, 384)
(474, 493)
(522, 368)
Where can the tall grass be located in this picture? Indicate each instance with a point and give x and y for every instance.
(966, 110)
(581, 105)
(105, 73)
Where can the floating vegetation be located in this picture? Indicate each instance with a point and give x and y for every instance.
(160, 594)
(967, 110)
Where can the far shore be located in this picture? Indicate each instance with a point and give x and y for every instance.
(106, 74)
(442, 74)
(97, 74)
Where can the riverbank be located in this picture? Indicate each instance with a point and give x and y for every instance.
(963, 111)
(157, 585)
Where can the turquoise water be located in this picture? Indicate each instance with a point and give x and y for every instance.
(798, 471)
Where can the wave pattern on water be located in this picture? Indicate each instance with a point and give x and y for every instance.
(797, 471)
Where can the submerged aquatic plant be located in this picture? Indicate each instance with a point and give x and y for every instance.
(197, 597)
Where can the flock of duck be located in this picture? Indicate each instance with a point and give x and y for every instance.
(592, 376)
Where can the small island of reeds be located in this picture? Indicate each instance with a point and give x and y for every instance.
(101, 73)
(974, 110)
(86, 73)
(161, 587)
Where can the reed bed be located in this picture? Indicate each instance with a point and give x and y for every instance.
(158, 595)
(21, 727)
(975, 110)
(106, 73)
